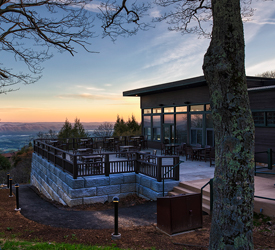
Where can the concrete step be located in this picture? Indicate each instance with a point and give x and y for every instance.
(187, 188)
(194, 189)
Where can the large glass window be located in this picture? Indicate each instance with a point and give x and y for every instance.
(181, 128)
(270, 118)
(208, 121)
(147, 126)
(157, 110)
(146, 111)
(156, 128)
(181, 109)
(209, 130)
(195, 108)
(258, 118)
(196, 128)
(147, 133)
(147, 121)
(169, 119)
(207, 107)
(169, 110)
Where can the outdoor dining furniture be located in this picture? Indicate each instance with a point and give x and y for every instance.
(84, 151)
(144, 155)
(163, 149)
(180, 150)
(197, 151)
(96, 162)
(109, 143)
(125, 149)
(189, 152)
(170, 148)
(151, 157)
(91, 158)
(204, 154)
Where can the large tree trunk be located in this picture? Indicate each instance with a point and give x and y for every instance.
(232, 219)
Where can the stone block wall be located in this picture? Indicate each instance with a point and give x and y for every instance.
(60, 186)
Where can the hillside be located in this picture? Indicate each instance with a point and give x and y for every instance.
(40, 126)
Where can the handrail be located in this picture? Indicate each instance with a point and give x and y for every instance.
(269, 153)
(167, 173)
(266, 198)
(210, 182)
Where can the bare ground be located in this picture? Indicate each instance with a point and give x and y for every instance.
(14, 225)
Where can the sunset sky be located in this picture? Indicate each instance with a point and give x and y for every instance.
(90, 85)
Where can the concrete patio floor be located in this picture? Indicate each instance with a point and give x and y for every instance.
(200, 172)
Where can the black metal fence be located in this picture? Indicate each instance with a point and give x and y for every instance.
(71, 162)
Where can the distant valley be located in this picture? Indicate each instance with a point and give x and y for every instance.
(40, 126)
(15, 135)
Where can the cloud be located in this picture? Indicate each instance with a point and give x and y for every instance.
(260, 67)
(7, 110)
(263, 15)
(90, 88)
(89, 96)
(94, 6)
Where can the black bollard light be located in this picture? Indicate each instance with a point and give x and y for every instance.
(116, 235)
(11, 188)
(8, 180)
(17, 197)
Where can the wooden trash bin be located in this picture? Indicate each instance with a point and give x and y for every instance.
(179, 213)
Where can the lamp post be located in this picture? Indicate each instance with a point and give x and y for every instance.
(8, 180)
(17, 197)
(10, 188)
(116, 235)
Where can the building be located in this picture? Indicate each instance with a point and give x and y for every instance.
(180, 112)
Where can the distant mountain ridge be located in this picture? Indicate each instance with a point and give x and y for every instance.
(40, 126)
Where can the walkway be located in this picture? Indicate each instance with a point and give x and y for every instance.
(39, 210)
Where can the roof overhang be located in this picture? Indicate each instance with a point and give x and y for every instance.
(254, 83)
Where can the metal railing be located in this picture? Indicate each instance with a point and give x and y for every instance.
(169, 171)
(70, 163)
(269, 153)
(210, 182)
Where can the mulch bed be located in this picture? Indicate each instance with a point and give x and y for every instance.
(14, 225)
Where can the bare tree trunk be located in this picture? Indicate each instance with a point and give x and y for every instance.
(232, 219)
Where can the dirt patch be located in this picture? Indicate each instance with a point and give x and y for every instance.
(14, 225)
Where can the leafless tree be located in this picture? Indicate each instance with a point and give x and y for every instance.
(105, 129)
(28, 30)
(224, 70)
(269, 74)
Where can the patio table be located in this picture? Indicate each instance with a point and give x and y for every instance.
(171, 148)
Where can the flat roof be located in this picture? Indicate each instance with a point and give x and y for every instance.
(253, 82)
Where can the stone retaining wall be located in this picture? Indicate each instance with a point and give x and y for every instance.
(60, 186)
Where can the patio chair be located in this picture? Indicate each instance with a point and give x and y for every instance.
(165, 150)
(180, 150)
(205, 153)
(189, 152)
(152, 157)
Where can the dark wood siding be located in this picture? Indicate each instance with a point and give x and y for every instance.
(176, 98)
(262, 100)
(264, 139)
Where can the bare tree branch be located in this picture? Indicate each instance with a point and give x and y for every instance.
(119, 20)
(60, 24)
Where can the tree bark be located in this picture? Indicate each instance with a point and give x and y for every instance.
(224, 70)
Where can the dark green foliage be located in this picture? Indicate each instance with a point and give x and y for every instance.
(21, 166)
(66, 130)
(4, 163)
(78, 130)
(69, 131)
(122, 128)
